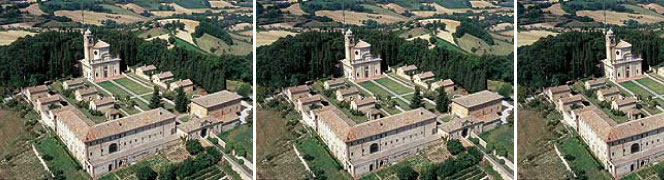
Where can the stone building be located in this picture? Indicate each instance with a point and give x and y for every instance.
(86, 94)
(101, 148)
(217, 104)
(162, 79)
(73, 84)
(423, 79)
(98, 63)
(608, 94)
(146, 71)
(334, 84)
(197, 128)
(363, 105)
(447, 85)
(568, 103)
(347, 94)
(35, 92)
(187, 85)
(364, 147)
(555, 93)
(407, 72)
(359, 63)
(478, 104)
(624, 105)
(297, 92)
(102, 104)
(595, 84)
(304, 104)
(620, 64)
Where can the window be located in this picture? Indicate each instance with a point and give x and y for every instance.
(617, 52)
(112, 148)
(373, 148)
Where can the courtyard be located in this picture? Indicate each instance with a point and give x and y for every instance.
(398, 90)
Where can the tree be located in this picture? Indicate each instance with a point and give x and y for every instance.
(181, 100)
(194, 147)
(145, 173)
(442, 101)
(455, 147)
(416, 102)
(155, 102)
(167, 172)
(428, 172)
(244, 90)
(505, 90)
(407, 173)
(171, 40)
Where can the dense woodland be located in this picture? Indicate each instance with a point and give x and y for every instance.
(46, 56)
(574, 55)
(296, 59)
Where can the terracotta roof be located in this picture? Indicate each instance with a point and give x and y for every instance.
(596, 82)
(571, 99)
(148, 68)
(408, 68)
(75, 121)
(637, 127)
(103, 101)
(217, 98)
(365, 101)
(111, 111)
(101, 44)
(298, 89)
(348, 131)
(183, 83)
(455, 123)
(598, 121)
(362, 44)
(165, 75)
(48, 99)
(310, 99)
(36, 89)
(477, 98)
(87, 91)
(74, 81)
(426, 75)
(348, 91)
(623, 44)
(444, 83)
(609, 91)
(626, 101)
(335, 82)
(372, 111)
(125, 124)
(559, 89)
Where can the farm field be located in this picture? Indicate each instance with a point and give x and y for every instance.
(618, 18)
(96, 18)
(7, 37)
(477, 46)
(530, 37)
(357, 17)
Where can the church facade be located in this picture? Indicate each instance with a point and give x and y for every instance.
(359, 63)
(98, 63)
(620, 64)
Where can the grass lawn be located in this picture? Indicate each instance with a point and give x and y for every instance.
(374, 89)
(61, 160)
(402, 104)
(652, 85)
(501, 136)
(636, 89)
(240, 136)
(322, 158)
(394, 86)
(133, 86)
(184, 44)
(117, 91)
(583, 158)
(142, 104)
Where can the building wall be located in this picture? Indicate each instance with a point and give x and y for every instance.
(365, 70)
(392, 146)
(112, 69)
(597, 146)
(556, 96)
(634, 70)
(646, 142)
(231, 107)
(295, 96)
(131, 146)
(88, 97)
(75, 146)
(610, 97)
(477, 111)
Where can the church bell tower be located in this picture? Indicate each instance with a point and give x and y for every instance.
(349, 41)
(610, 39)
(88, 43)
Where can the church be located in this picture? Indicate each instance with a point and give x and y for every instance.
(98, 63)
(359, 63)
(620, 65)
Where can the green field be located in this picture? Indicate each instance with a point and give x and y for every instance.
(185, 45)
(119, 10)
(394, 86)
(213, 45)
(133, 86)
(453, 4)
(192, 4)
(61, 160)
(583, 159)
(477, 46)
(380, 10)
(240, 136)
(322, 158)
(148, 4)
(502, 136)
(374, 89)
(117, 91)
(652, 85)
(636, 89)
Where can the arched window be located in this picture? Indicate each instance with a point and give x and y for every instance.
(373, 148)
(635, 147)
(112, 148)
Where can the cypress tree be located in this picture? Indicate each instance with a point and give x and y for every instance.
(442, 101)
(416, 102)
(181, 100)
(155, 102)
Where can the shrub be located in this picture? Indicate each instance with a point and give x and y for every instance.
(213, 140)
(569, 157)
(145, 173)
(194, 147)
(407, 173)
(455, 147)
(47, 157)
(308, 157)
